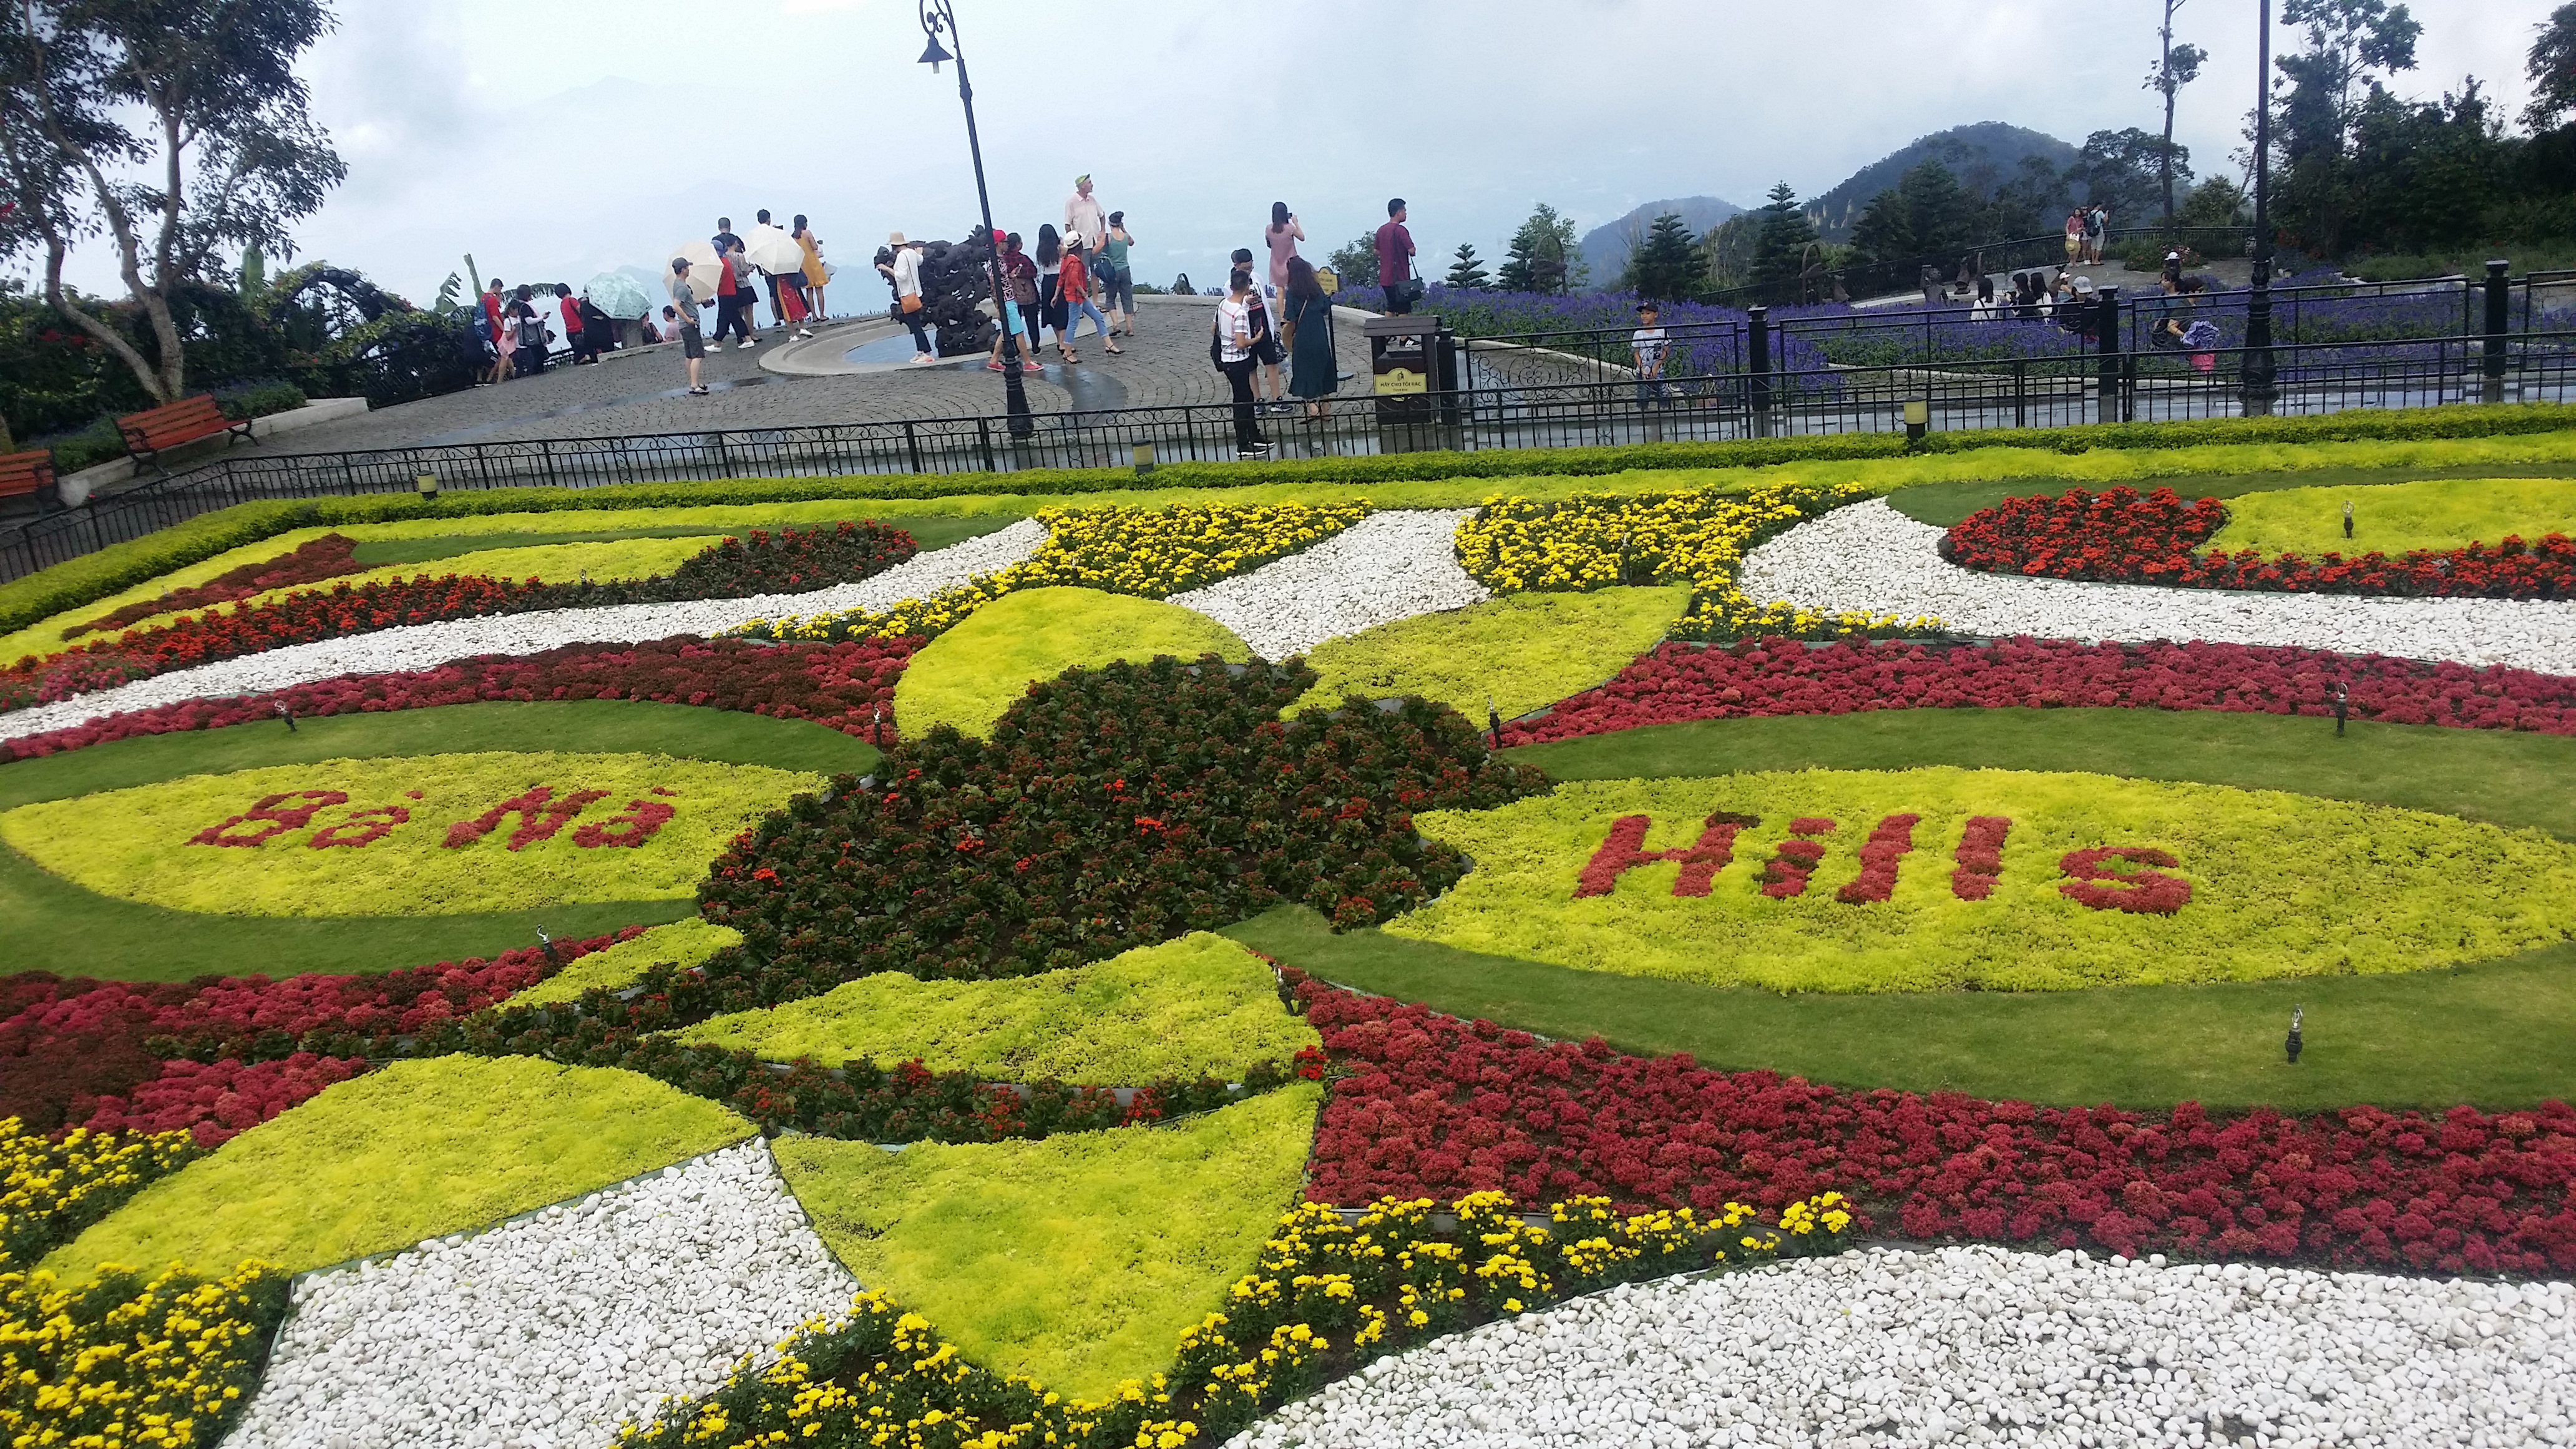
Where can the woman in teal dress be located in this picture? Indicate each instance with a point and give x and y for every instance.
(1313, 370)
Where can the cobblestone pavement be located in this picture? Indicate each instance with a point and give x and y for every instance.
(1165, 364)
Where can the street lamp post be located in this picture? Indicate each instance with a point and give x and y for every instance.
(2258, 302)
(936, 17)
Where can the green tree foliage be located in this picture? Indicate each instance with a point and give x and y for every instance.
(2176, 66)
(1926, 214)
(176, 128)
(1355, 261)
(2423, 178)
(2552, 68)
(1666, 264)
(1467, 272)
(2351, 47)
(2216, 202)
(2124, 170)
(1726, 251)
(1546, 254)
(1780, 243)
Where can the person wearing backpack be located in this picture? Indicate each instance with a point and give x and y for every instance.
(2097, 225)
(529, 327)
(1231, 348)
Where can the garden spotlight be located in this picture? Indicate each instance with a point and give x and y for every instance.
(2296, 1013)
(1918, 420)
(427, 483)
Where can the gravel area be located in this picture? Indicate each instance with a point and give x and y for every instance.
(426, 646)
(546, 1333)
(1869, 556)
(1388, 566)
(1981, 1346)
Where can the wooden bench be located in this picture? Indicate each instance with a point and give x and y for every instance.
(26, 474)
(149, 433)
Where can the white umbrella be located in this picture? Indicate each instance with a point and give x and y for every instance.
(618, 295)
(703, 276)
(772, 250)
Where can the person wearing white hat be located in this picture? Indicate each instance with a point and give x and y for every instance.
(1082, 214)
(905, 273)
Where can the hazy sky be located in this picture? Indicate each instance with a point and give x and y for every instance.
(556, 138)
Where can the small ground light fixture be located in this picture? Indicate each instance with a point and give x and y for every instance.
(1144, 459)
(286, 712)
(2347, 518)
(427, 483)
(1918, 421)
(1494, 721)
(547, 943)
(2297, 1014)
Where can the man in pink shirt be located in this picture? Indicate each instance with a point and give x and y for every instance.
(1395, 260)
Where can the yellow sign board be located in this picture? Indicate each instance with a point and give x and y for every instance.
(1402, 380)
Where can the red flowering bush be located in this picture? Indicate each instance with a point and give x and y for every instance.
(1428, 1105)
(327, 557)
(731, 569)
(221, 1099)
(1784, 677)
(2123, 536)
(1884, 850)
(68, 1046)
(1979, 860)
(849, 686)
(2148, 892)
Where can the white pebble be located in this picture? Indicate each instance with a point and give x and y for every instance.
(554, 1329)
(1388, 566)
(1872, 558)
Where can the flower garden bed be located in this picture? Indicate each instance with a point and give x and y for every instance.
(2123, 536)
(983, 953)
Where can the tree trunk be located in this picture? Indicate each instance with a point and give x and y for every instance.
(2165, 83)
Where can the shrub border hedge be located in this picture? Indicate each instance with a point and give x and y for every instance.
(85, 580)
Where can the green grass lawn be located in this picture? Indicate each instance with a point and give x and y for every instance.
(1076, 1260)
(2498, 1034)
(50, 924)
(2510, 779)
(928, 532)
(1943, 504)
(1520, 651)
(971, 675)
(407, 1152)
(2395, 517)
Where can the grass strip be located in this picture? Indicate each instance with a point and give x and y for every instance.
(970, 675)
(47, 923)
(2509, 779)
(2394, 517)
(408, 1152)
(2498, 1035)
(1076, 1260)
(930, 532)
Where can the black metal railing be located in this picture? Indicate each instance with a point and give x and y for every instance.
(1499, 404)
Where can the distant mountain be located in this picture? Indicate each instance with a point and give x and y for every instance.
(1980, 155)
(1605, 248)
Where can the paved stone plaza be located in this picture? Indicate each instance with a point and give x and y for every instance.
(645, 392)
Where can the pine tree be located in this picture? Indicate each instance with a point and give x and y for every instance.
(1550, 251)
(1515, 274)
(1779, 247)
(1664, 265)
(1884, 233)
(1467, 272)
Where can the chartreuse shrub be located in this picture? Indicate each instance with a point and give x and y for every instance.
(403, 1153)
(1150, 553)
(679, 945)
(1198, 1006)
(1520, 651)
(421, 835)
(1912, 880)
(969, 675)
(2442, 513)
(1077, 1260)
(1601, 540)
(166, 1359)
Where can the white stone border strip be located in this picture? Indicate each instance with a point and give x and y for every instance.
(1869, 557)
(556, 1325)
(1394, 564)
(427, 646)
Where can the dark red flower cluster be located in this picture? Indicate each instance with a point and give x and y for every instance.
(849, 686)
(221, 1099)
(327, 557)
(2123, 536)
(1880, 855)
(2146, 892)
(69, 1045)
(1979, 860)
(1430, 1106)
(1784, 677)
